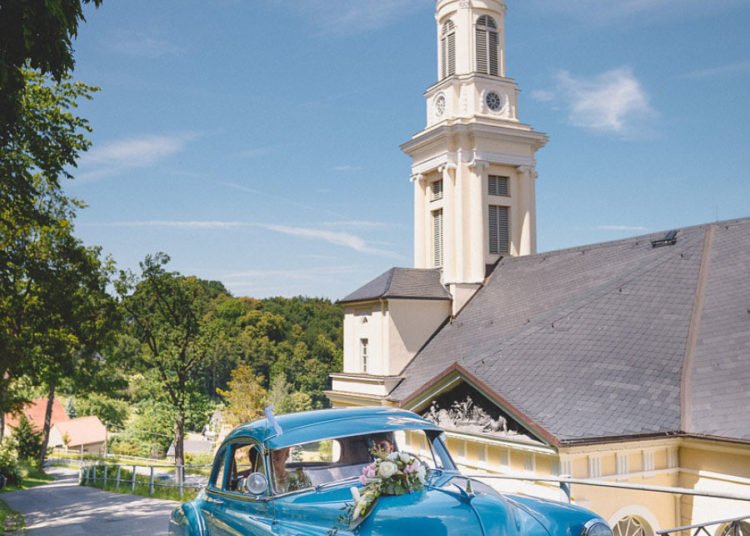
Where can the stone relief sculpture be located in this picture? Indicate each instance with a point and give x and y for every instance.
(466, 416)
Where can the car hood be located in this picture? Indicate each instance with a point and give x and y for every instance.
(441, 508)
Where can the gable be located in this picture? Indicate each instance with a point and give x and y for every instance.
(459, 404)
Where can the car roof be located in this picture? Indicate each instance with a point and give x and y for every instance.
(317, 425)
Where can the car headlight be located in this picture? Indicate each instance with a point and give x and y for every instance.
(596, 527)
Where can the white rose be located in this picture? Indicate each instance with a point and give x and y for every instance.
(421, 473)
(404, 457)
(355, 494)
(393, 456)
(387, 469)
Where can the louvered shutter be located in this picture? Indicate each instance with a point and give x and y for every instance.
(451, 54)
(481, 50)
(497, 185)
(499, 230)
(437, 238)
(494, 46)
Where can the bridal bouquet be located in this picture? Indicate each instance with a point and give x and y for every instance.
(396, 473)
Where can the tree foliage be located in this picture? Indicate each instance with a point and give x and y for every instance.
(166, 313)
(245, 396)
(26, 440)
(36, 34)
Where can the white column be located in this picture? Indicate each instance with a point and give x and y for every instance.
(524, 178)
(462, 244)
(420, 251)
(449, 226)
(532, 208)
(477, 220)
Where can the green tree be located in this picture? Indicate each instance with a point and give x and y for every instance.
(35, 34)
(35, 225)
(245, 396)
(26, 440)
(167, 314)
(112, 412)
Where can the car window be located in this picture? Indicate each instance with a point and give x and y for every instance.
(326, 462)
(217, 474)
(246, 459)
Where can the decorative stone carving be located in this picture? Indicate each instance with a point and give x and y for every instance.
(466, 416)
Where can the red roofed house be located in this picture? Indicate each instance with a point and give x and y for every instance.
(34, 412)
(84, 434)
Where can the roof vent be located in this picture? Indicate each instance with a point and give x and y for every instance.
(670, 239)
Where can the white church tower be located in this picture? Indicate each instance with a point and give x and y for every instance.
(473, 169)
(473, 166)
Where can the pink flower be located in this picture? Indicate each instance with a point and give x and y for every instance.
(363, 480)
(370, 472)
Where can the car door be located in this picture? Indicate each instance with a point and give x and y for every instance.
(234, 511)
(212, 507)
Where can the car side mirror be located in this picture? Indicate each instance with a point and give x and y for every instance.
(254, 484)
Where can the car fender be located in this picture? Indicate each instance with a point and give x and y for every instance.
(187, 521)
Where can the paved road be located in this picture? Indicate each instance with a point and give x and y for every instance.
(63, 508)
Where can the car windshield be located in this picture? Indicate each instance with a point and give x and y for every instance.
(330, 461)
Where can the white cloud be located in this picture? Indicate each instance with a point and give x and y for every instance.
(143, 45)
(333, 237)
(338, 238)
(347, 17)
(543, 95)
(720, 70)
(144, 151)
(613, 102)
(357, 223)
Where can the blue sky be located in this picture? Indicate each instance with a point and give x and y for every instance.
(256, 141)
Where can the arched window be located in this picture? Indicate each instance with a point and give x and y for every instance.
(632, 526)
(735, 528)
(488, 45)
(448, 49)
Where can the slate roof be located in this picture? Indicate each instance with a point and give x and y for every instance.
(611, 340)
(402, 283)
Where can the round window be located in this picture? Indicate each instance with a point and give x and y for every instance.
(440, 105)
(493, 100)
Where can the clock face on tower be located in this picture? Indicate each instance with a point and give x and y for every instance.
(493, 101)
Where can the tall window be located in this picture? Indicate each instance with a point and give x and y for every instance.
(448, 49)
(363, 344)
(499, 230)
(437, 238)
(488, 46)
(436, 189)
(497, 185)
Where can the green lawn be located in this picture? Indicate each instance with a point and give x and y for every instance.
(34, 477)
(10, 520)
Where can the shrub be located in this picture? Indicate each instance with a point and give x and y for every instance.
(9, 467)
(27, 441)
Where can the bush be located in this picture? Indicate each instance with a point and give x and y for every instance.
(9, 467)
(27, 441)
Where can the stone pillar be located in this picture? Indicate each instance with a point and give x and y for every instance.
(477, 237)
(420, 245)
(450, 254)
(524, 206)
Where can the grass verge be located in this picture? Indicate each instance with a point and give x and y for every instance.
(32, 477)
(11, 522)
(160, 490)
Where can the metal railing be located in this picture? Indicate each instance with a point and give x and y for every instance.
(733, 527)
(175, 478)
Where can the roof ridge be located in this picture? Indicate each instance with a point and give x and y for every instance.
(388, 283)
(686, 421)
(620, 241)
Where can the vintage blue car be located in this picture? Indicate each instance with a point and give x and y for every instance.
(299, 475)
